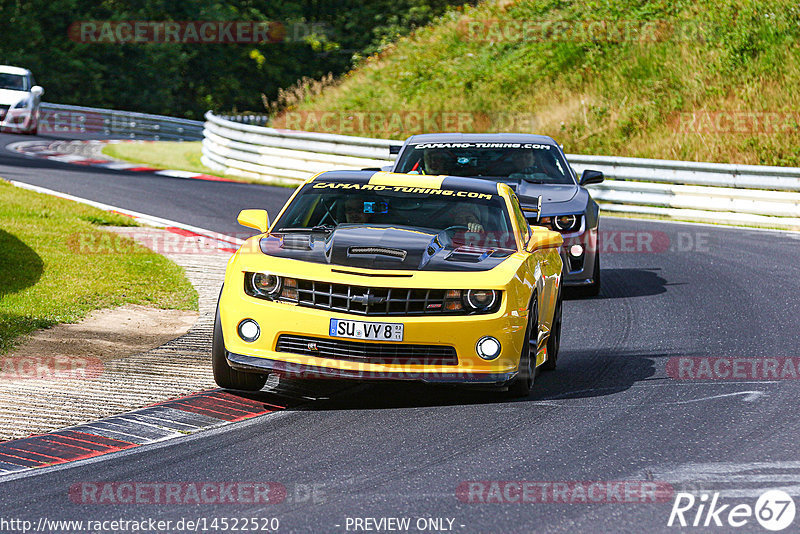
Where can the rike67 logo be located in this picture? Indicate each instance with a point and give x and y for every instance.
(774, 510)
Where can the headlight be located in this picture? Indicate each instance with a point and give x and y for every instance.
(480, 299)
(566, 223)
(471, 300)
(262, 285)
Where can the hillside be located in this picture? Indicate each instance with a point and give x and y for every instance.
(714, 80)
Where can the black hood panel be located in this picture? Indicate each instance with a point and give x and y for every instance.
(383, 248)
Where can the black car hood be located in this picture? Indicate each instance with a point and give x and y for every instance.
(556, 199)
(383, 247)
(550, 192)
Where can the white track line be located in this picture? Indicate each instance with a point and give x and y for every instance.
(149, 220)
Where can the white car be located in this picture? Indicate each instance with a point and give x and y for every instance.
(19, 100)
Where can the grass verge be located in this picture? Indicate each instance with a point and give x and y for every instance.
(710, 80)
(46, 279)
(177, 155)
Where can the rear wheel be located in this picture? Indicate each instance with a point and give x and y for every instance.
(554, 340)
(224, 376)
(521, 385)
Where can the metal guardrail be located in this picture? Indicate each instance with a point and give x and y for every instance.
(256, 120)
(708, 192)
(61, 118)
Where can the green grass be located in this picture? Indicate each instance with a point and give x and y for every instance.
(177, 155)
(183, 156)
(46, 276)
(607, 96)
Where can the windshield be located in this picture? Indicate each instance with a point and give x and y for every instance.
(324, 206)
(506, 161)
(14, 82)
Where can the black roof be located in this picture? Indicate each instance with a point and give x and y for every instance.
(480, 138)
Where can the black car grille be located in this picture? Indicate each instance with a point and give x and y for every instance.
(382, 353)
(362, 300)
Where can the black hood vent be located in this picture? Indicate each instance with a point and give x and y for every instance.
(296, 242)
(383, 251)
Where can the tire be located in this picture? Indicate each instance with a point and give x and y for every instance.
(554, 340)
(224, 376)
(521, 384)
(594, 289)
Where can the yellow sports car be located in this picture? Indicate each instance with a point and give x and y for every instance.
(373, 275)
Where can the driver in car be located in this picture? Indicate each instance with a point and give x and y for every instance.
(354, 211)
(465, 215)
(436, 162)
(531, 165)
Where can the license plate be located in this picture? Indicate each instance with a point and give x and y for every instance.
(363, 330)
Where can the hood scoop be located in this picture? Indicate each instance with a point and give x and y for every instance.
(469, 254)
(381, 251)
(296, 242)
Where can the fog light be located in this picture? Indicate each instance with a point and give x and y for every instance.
(576, 250)
(488, 348)
(249, 330)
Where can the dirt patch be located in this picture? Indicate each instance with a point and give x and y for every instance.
(107, 334)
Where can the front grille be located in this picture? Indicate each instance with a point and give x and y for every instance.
(376, 301)
(357, 351)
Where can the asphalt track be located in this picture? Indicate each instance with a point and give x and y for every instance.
(610, 412)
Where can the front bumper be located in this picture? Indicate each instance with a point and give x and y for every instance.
(240, 362)
(461, 332)
(579, 270)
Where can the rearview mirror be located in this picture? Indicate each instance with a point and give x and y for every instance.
(591, 177)
(543, 238)
(256, 219)
(37, 91)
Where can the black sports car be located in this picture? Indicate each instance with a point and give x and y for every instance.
(535, 167)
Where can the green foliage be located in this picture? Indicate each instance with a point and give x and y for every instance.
(187, 79)
(603, 77)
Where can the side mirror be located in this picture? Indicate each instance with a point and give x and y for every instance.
(37, 91)
(395, 149)
(543, 238)
(591, 177)
(256, 219)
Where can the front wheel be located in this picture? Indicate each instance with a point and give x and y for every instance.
(521, 385)
(224, 376)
